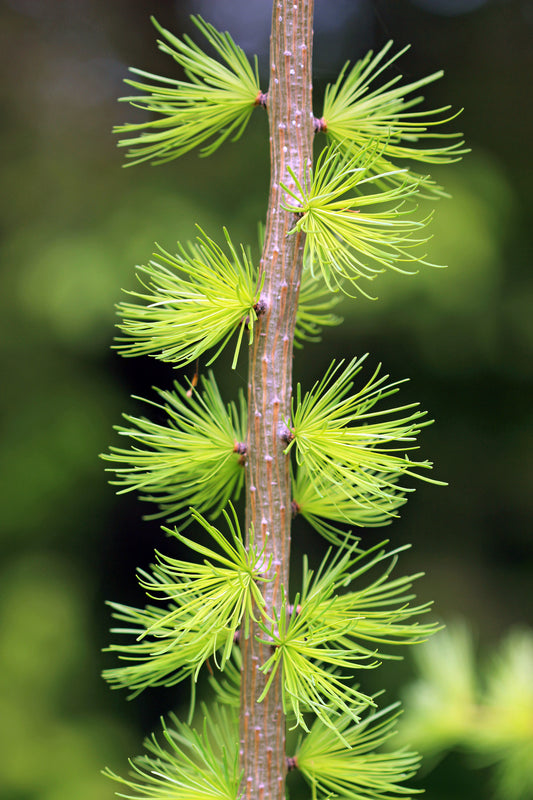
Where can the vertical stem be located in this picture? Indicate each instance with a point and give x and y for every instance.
(268, 508)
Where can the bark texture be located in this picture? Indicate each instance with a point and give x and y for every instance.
(289, 107)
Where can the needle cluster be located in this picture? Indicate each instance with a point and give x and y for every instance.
(353, 228)
(206, 605)
(187, 764)
(343, 758)
(215, 103)
(327, 631)
(358, 113)
(192, 302)
(196, 457)
(203, 296)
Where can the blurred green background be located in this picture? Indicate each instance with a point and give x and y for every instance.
(74, 224)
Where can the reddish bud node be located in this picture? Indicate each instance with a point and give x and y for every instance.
(260, 307)
(287, 435)
(261, 99)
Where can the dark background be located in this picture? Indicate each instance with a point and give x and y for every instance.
(74, 224)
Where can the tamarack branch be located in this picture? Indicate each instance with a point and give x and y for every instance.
(338, 455)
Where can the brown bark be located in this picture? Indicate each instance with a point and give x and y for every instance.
(268, 509)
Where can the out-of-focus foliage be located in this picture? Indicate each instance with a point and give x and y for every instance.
(486, 713)
(53, 740)
(74, 224)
